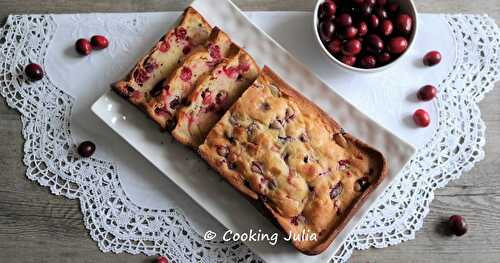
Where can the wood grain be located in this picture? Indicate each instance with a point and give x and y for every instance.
(36, 226)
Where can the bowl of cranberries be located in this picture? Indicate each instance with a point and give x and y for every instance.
(365, 35)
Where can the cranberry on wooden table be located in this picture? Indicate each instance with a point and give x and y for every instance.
(457, 225)
(427, 92)
(86, 149)
(99, 42)
(421, 118)
(83, 47)
(432, 58)
(161, 260)
(34, 71)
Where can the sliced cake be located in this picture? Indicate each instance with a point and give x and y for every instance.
(168, 96)
(166, 56)
(214, 94)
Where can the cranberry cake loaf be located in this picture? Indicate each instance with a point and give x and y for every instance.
(213, 96)
(168, 96)
(160, 61)
(285, 153)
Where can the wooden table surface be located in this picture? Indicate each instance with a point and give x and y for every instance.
(36, 226)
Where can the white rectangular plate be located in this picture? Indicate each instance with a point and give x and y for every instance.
(191, 174)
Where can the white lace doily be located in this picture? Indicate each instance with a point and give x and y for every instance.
(119, 225)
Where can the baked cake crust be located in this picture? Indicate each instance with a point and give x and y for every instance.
(167, 97)
(163, 58)
(280, 149)
(215, 93)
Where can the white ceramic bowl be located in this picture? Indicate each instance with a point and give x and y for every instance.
(406, 6)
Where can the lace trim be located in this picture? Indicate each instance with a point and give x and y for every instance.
(118, 225)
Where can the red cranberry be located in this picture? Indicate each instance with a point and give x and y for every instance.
(365, 9)
(368, 61)
(374, 44)
(384, 58)
(34, 71)
(362, 28)
(351, 47)
(381, 2)
(335, 46)
(349, 32)
(393, 8)
(427, 92)
(386, 27)
(327, 9)
(421, 118)
(348, 60)
(404, 23)
(432, 58)
(457, 225)
(83, 47)
(327, 28)
(186, 74)
(344, 20)
(86, 149)
(397, 45)
(161, 260)
(99, 42)
(371, 2)
(380, 13)
(373, 21)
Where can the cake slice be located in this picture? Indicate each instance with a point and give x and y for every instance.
(162, 59)
(168, 96)
(284, 152)
(213, 96)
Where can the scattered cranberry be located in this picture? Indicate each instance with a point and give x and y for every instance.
(348, 60)
(432, 58)
(368, 62)
(349, 32)
(351, 47)
(397, 45)
(86, 149)
(83, 47)
(344, 20)
(384, 58)
(457, 225)
(34, 71)
(161, 260)
(99, 42)
(386, 27)
(335, 46)
(421, 118)
(404, 23)
(427, 92)
(374, 44)
(362, 28)
(327, 28)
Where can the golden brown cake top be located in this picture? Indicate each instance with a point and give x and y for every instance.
(275, 144)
